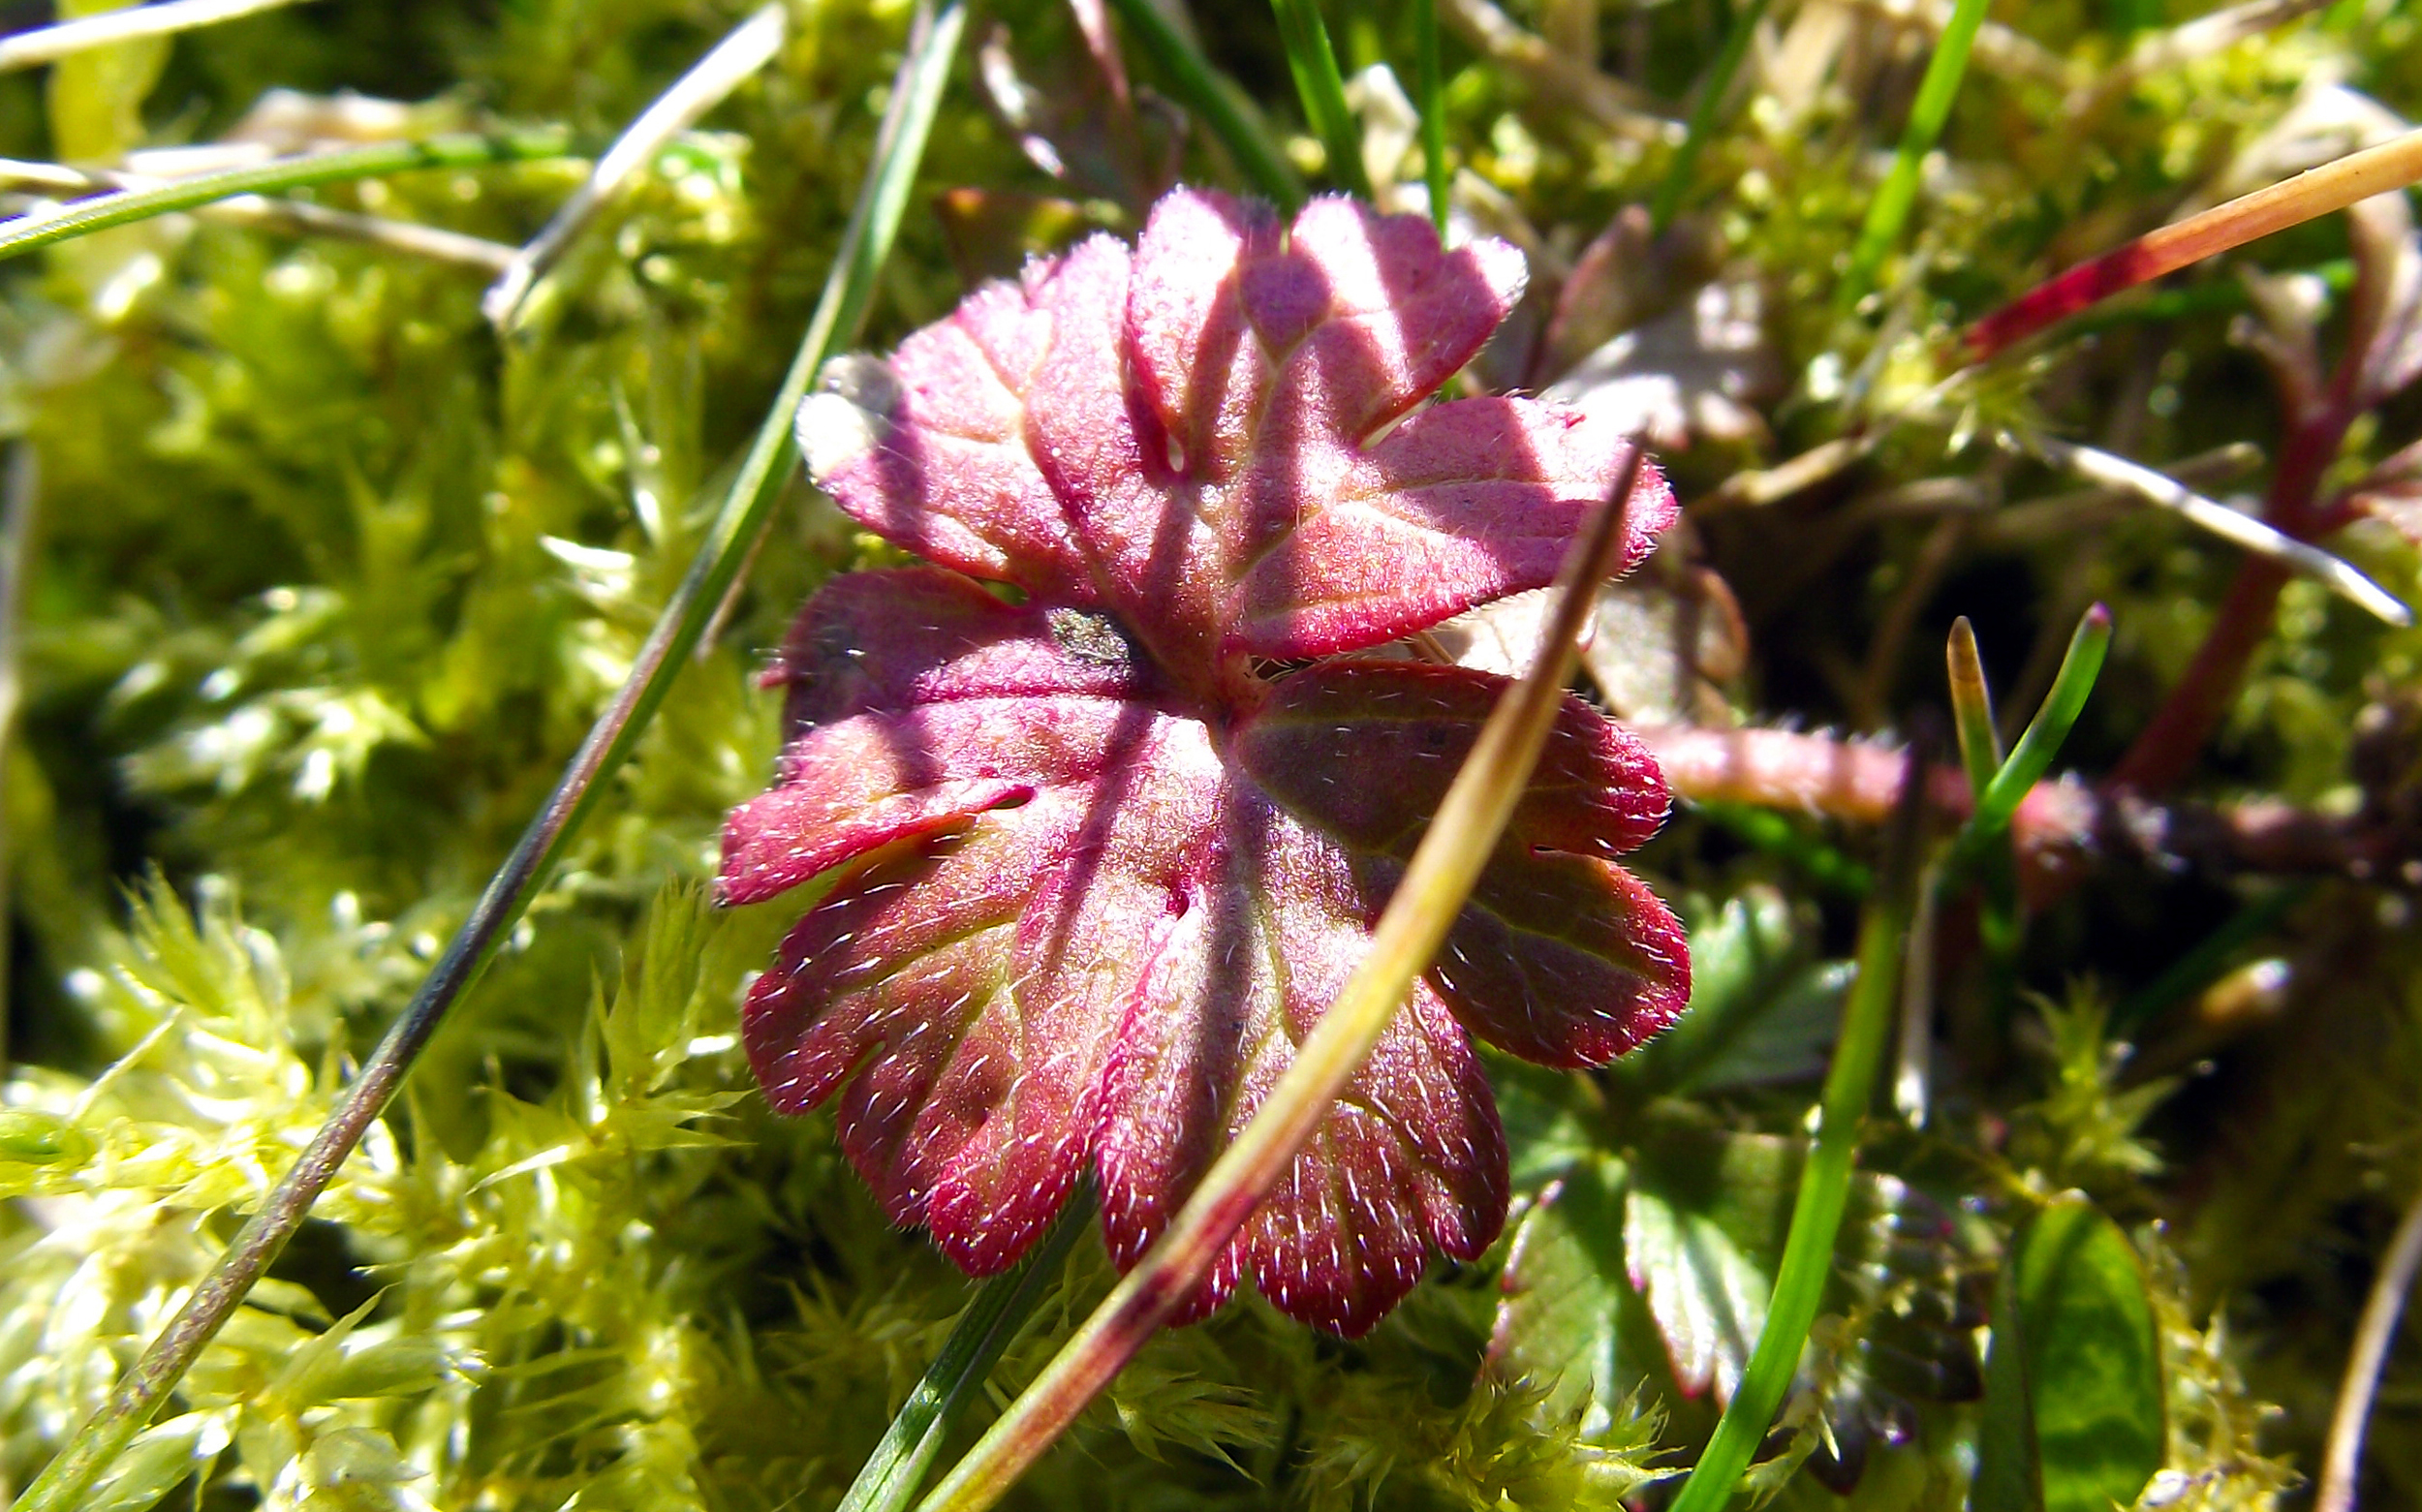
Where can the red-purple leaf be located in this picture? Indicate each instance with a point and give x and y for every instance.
(1184, 435)
(1104, 875)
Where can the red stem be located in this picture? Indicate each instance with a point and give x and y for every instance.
(2062, 828)
(2169, 745)
(2332, 186)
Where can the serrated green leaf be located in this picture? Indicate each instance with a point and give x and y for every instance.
(1708, 1298)
(1789, 1039)
(1762, 1011)
(1561, 1326)
(1736, 957)
(1551, 1119)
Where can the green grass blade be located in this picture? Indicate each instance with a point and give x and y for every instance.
(1430, 85)
(1217, 99)
(1998, 917)
(2033, 756)
(1313, 63)
(1825, 1180)
(1972, 708)
(1712, 91)
(900, 147)
(23, 233)
(896, 1468)
(1889, 211)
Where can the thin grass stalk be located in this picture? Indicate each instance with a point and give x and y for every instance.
(915, 95)
(22, 233)
(2240, 530)
(1217, 99)
(49, 44)
(1430, 85)
(1890, 210)
(1850, 1082)
(2037, 746)
(894, 1472)
(2316, 192)
(1912, 1081)
(20, 488)
(745, 49)
(1824, 1192)
(1322, 89)
(297, 216)
(1445, 865)
(1676, 184)
(2342, 1455)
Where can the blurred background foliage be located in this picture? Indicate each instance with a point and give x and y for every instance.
(325, 579)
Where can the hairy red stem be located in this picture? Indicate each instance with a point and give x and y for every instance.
(2062, 827)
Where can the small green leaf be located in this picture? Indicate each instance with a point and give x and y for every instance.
(30, 1136)
(1790, 1040)
(1562, 1325)
(1762, 1011)
(157, 1461)
(1551, 1117)
(1708, 1298)
(2073, 1411)
(1737, 959)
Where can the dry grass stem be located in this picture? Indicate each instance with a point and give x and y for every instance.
(747, 48)
(49, 44)
(2381, 1311)
(2240, 530)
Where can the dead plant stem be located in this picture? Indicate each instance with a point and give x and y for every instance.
(2344, 1454)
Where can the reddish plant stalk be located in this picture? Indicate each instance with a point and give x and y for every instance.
(2062, 828)
(2333, 186)
(2166, 749)
(2168, 746)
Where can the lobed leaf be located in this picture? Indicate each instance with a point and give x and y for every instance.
(1196, 435)
(1108, 866)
